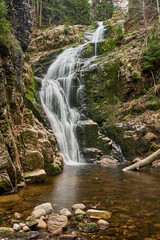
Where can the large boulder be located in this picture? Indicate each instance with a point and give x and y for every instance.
(47, 207)
(36, 176)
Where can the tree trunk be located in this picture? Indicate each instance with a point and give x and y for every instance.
(158, 9)
(144, 162)
(144, 15)
(40, 14)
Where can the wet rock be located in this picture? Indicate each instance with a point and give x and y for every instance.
(31, 222)
(57, 232)
(17, 215)
(5, 182)
(38, 175)
(6, 230)
(26, 228)
(22, 225)
(78, 206)
(103, 224)
(41, 224)
(88, 227)
(56, 221)
(91, 154)
(65, 212)
(99, 213)
(45, 206)
(38, 213)
(79, 218)
(79, 212)
(16, 227)
(108, 161)
(117, 152)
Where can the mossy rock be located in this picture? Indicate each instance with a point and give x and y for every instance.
(105, 46)
(79, 218)
(5, 230)
(52, 170)
(88, 227)
(88, 50)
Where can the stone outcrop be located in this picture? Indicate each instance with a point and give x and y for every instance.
(21, 15)
(28, 151)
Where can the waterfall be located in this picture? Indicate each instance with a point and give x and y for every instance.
(98, 35)
(59, 97)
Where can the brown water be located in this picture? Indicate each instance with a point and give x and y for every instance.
(133, 198)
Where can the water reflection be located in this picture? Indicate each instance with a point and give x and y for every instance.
(133, 198)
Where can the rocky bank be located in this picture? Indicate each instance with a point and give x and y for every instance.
(28, 150)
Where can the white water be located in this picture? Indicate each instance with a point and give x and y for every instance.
(59, 98)
(98, 35)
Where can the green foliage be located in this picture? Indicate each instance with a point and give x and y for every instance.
(106, 46)
(151, 54)
(66, 30)
(136, 75)
(66, 11)
(4, 24)
(102, 10)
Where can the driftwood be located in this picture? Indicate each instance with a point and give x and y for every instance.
(144, 162)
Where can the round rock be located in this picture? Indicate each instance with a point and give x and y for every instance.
(103, 224)
(26, 229)
(17, 215)
(46, 206)
(79, 212)
(78, 206)
(16, 227)
(38, 213)
(65, 212)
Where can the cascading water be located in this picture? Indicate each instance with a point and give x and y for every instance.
(59, 97)
(98, 35)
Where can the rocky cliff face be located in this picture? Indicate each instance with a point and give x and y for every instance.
(26, 146)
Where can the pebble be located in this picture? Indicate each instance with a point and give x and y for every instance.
(16, 227)
(79, 212)
(17, 215)
(26, 229)
(103, 224)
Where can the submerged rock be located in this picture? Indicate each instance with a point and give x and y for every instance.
(103, 224)
(88, 227)
(99, 213)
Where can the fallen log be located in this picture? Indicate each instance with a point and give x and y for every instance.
(144, 162)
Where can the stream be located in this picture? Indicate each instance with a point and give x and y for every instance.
(133, 198)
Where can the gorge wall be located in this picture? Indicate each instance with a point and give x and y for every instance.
(28, 151)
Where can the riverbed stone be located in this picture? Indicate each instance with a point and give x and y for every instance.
(38, 213)
(31, 222)
(68, 237)
(65, 212)
(26, 228)
(17, 215)
(103, 224)
(41, 224)
(56, 221)
(46, 207)
(88, 227)
(78, 206)
(16, 227)
(99, 213)
(36, 176)
(79, 212)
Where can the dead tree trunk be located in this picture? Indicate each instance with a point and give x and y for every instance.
(144, 162)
